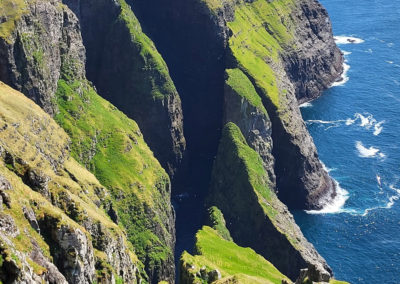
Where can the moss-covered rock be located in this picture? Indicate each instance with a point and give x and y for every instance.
(254, 215)
(55, 216)
(44, 57)
(127, 70)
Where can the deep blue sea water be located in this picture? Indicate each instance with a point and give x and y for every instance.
(356, 128)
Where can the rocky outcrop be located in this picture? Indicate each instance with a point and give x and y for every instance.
(45, 41)
(254, 215)
(53, 227)
(71, 250)
(31, 52)
(317, 63)
(243, 107)
(293, 59)
(132, 75)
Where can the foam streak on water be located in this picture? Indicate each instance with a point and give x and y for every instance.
(356, 129)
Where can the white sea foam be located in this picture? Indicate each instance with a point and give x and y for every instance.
(326, 168)
(305, 105)
(369, 50)
(390, 44)
(391, 201)
(367, 121)
(344, 78)
(345, 53)
(388, 61)
(378, 128)
(335, 205)
(365, 152)
(322, 121)
(347, 40)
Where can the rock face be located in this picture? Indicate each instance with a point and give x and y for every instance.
(318, 62)
(44, 57)
(254, 215)
(31, 52)
(53, 228)
(132, 75)
(294, 60)
(243, 107)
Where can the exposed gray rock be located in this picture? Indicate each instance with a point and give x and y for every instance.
(52, 274)
(255, 125)
(38, 181)
(30, 59)
(71, 250)
(30, 216)
(115, 250)
(8, 226)
(4, 197)
(214, 275)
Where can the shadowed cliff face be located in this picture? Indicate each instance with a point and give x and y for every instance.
(193, 45)
(43, 51)
(255, 216)
(295, 59)
(286, 50)
(127, 70)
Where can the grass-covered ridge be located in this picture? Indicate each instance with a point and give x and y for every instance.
(217, 222)
(232, 261)
(159, 84)
(261, 31)
(241, 84)
(112, 147)
(249, 167)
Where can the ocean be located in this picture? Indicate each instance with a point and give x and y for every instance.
(356, 128)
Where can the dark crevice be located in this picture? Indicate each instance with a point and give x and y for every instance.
(192, 46)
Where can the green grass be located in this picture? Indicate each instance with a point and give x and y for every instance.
(236, 152)
(157, 80)
(241, 84)
(214, 252)
(261, 31)
(35, 144)
(112, 147)
(217, 222)
(240, 182)
(13, 10)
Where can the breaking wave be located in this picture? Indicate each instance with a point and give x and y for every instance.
(347, 40)
(305, 105)
(335, 205)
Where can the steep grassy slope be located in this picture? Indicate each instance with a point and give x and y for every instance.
(219, 260)
(232, 261)
(112, 147)
(132, 75)
(44, 57)
(240, 189)
(53, 221)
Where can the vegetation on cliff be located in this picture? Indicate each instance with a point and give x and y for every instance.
(53, 221)
(235, 263)
(112, 147)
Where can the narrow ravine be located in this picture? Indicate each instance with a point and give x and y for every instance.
(195, 57)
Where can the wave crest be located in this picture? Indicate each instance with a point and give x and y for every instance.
(347, 40)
